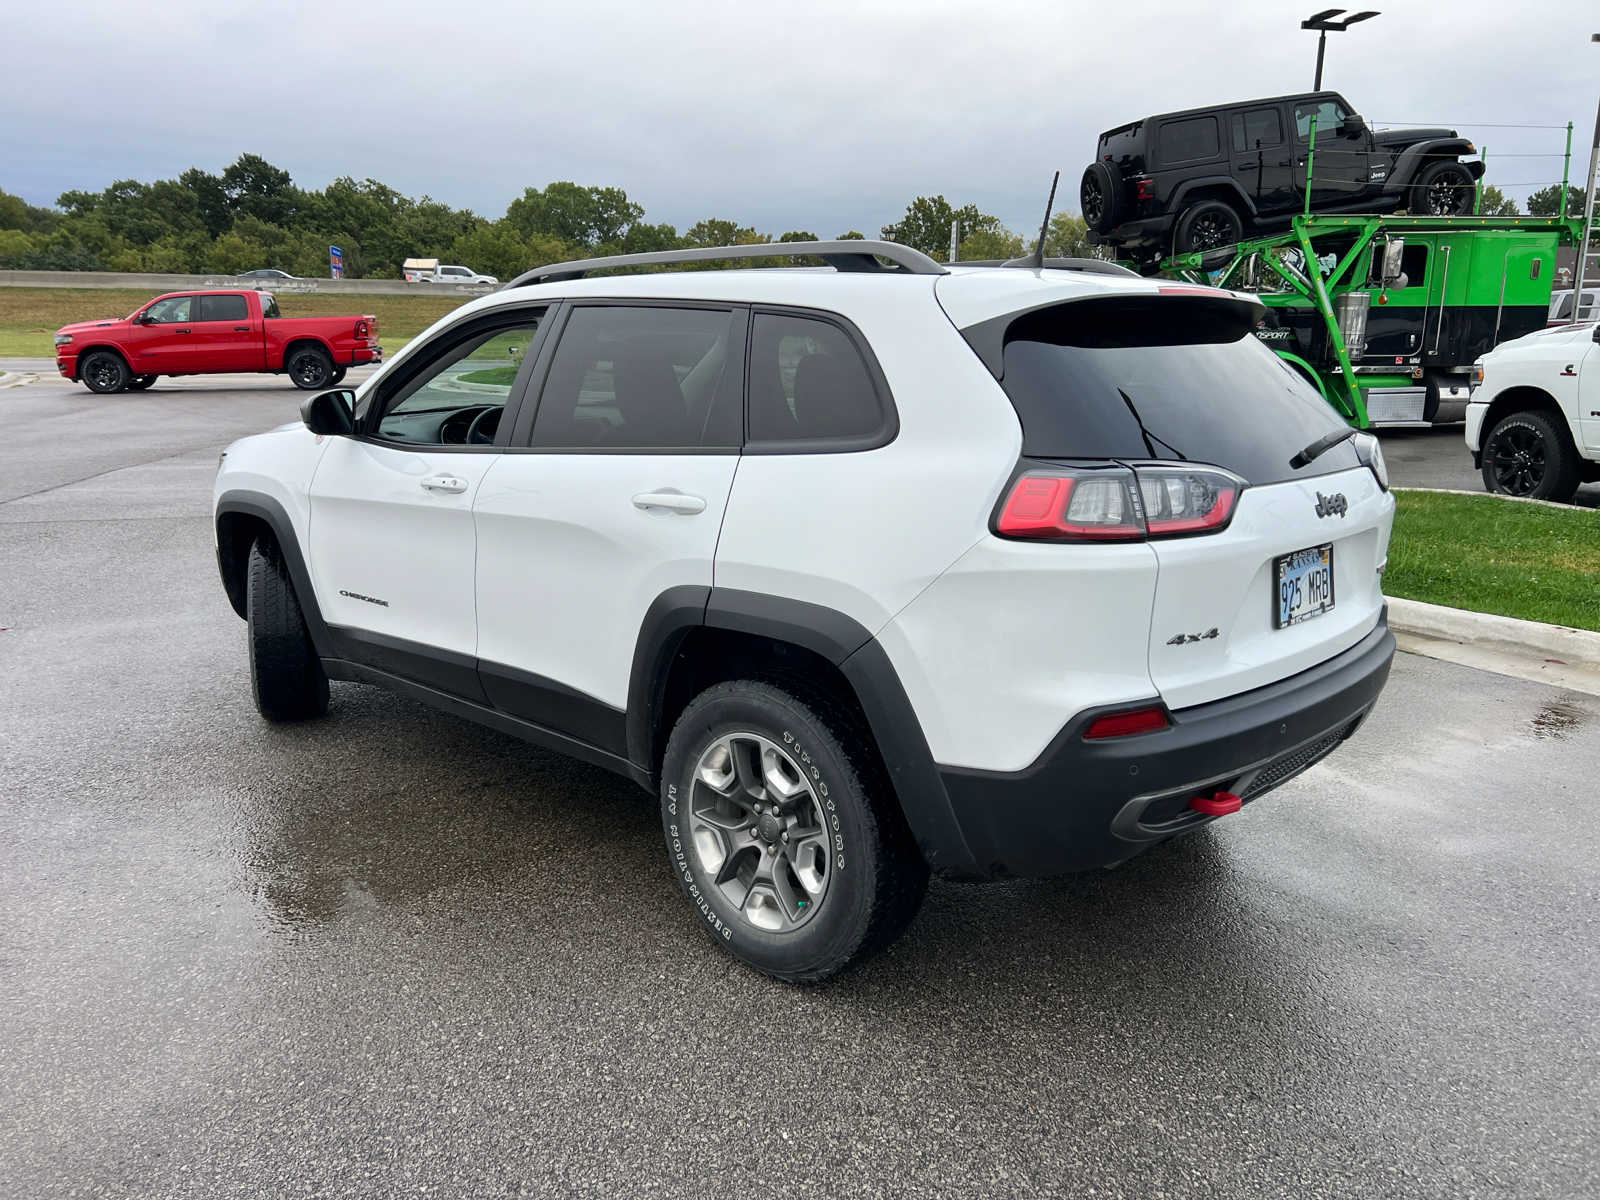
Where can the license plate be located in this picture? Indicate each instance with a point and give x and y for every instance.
(1304, 588)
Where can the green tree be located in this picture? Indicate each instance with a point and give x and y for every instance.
(211, 199)
(716, 231)
(16, 213)
(256, 188)
(1497, 204)
(579, 216)
(992, 243)
(1546, 201)
(495, 249)
(15, 246)
(851, 235)
(1069, 238)
(645, 238)
(926, 227)
(797, 235)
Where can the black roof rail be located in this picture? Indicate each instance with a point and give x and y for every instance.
(852, 254)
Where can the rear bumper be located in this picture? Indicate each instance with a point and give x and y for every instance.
(1089, 804)
(372, 352)
(1150, 230)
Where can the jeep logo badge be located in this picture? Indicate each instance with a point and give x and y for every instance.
(1328, 506)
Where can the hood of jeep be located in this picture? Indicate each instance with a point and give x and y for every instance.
(1409, 137)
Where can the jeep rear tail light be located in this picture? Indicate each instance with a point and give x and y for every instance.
(1145, 189)
(1144, 719)
(1116, 503)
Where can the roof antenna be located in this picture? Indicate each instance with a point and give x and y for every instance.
(1038, 251)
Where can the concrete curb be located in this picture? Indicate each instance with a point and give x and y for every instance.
(1493, 496)
(1553, 654)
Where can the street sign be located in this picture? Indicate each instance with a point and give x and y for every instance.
(335, 263)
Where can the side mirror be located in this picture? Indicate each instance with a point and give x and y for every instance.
(1352, 126)
(330, 414)
(144, 318)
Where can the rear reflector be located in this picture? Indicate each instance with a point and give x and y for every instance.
(1115, 503)
(1121, 724)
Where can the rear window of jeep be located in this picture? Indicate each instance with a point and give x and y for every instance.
(1189, 140)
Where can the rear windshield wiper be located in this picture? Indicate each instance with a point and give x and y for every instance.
(1320, 447)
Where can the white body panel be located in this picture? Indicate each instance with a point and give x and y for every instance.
(1224, 581)
(279, 465)
(1018, 637)
(1563, 363)
(568, 563)
(387, 554)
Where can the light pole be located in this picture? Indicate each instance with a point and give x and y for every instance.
(1325, 24)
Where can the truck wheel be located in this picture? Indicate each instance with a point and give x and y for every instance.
(1443, 189)
(1208, 225)
(1526, 454)
(140, 383)
(105, 372)
(286, 676)
(1099, 199)
(337, 377)
(310, 368)
(783, 833)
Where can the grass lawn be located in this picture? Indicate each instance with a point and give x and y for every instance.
(29, 316)
(1489, 554)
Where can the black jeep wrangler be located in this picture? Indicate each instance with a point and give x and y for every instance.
(1208, 177)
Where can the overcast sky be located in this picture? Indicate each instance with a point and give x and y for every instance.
(820, 116)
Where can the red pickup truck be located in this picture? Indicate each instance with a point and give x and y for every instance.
(213, 332)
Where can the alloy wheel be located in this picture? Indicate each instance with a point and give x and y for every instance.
(1518, 460)
(1210, 231)
(758, 832)
(1444, 196)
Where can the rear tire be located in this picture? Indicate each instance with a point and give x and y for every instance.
(748, 771)
(286, 676)
(338, 377)
(1208, 225)
(1526, 454)
(1443, 188)
(310, 368)
(140, 383)
(105, 372)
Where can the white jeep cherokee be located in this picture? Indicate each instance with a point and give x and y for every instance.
(1533, 423)
(863, 571)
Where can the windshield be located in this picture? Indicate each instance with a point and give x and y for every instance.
(1156, 378)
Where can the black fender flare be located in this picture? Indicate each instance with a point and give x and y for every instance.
(1406, 166)
(842, 641)
(1179, 197)
(269, 511)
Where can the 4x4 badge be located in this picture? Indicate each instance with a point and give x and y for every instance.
(1327, 506)
(1183, 639)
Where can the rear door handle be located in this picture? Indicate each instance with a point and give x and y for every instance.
(670, 500)
(241, 329)
(445, 483)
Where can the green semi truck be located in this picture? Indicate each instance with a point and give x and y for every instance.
(1385, 315)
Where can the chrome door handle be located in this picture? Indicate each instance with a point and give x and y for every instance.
(444, 483)
(676, 502)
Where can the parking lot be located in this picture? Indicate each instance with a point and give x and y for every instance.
(392, 953)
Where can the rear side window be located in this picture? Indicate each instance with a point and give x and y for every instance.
(222, 308)
(809, 383)
(1188, 140)
(1256, 129)
(1171, 378)
(642, 378)
(269, 305)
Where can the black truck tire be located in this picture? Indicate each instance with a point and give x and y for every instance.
(1528, 454)
(1100, 198)
(104, 371)
(286, 676)
(140, 383)
(1207, 225)
(310, 368)
(1443, 188)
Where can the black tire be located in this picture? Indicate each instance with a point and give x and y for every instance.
(1207, 225)
(874, 876)
(338, 377)
(140, 383)
(310, 368)
(104, 372)
(1100, 198)
(1528, 454)
(286, 676)
(1443, 188)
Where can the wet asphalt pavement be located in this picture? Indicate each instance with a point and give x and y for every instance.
(390, 953)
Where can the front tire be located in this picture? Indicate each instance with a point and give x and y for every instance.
(105, 372)
(1443, 189)
(286, 676)
(783, 833)
(310, 368)
(1526, 454)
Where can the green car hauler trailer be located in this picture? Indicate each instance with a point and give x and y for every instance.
(1385, 315)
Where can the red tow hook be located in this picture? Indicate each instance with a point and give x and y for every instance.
(1218, 805)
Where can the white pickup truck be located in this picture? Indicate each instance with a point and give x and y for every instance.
(430, 270)
(1533, 424)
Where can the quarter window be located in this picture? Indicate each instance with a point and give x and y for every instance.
(269, 306)
(221, 308)
(171, 310)
(1189, 140)
(808, 383)
(642, 378)
(458, 398)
